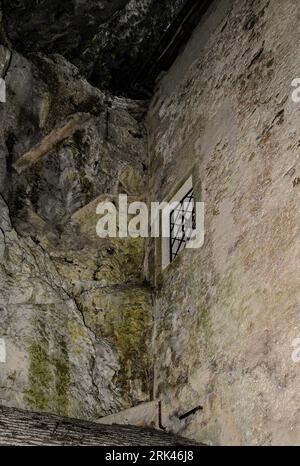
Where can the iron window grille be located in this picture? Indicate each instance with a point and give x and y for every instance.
(182, 223)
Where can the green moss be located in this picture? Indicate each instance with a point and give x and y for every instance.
(125, 264)
(75, 334)
(125, 321)
(132, 180)
(133, 251)
(62, 382)
(48, 378)
(37, 394)
(129, 333)
(204, 321)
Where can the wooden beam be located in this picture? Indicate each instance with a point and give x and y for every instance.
(19, 427)
(49, 142)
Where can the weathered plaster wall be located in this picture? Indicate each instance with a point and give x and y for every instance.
(226, 314)
(75, 311)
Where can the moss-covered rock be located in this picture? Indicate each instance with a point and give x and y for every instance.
(123, 317)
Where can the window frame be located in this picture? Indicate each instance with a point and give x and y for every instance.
(179, 195)
(185, 205)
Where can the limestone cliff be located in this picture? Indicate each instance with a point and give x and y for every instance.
(109, 41)
(75, 311)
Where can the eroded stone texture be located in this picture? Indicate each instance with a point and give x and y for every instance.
(63, 27)
(108, 40)
(226, 315)
(75, 309)
(124, 44)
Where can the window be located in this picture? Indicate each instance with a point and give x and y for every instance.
(182, 220)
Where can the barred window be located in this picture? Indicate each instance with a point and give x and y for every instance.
(182, 222)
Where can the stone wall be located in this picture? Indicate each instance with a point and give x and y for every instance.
(75, 309)
(226, 314)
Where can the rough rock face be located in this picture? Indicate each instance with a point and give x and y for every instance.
(109, 41)
(113, 60)
(55, 26)
(226, 315)
(75, 311)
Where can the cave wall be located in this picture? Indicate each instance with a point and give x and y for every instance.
(75, 310)
(226, 314)
(109, 41)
